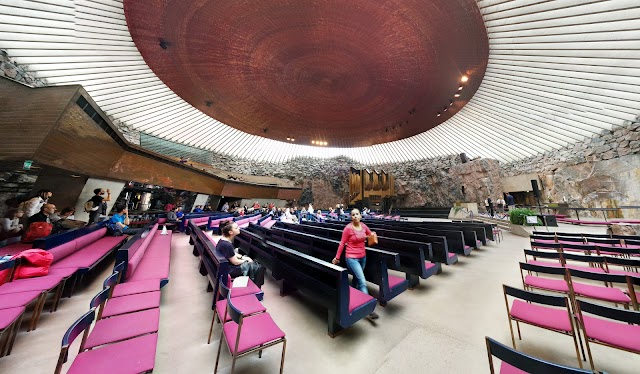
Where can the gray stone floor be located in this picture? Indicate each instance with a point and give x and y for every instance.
(437, 328)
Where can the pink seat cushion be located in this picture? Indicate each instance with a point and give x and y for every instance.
(251, 289)
(14, 248)
(586, 268)
(611, 294)
(9, 315)
(544, 241)
(132, 356)
(428, 265)
(547, 317)
(132, 303)
(160, 246)
(63, 272)
(18, 299)
(615, 333)
(151, 268)
(248, 304)
(357, 299)
(394, 281)
(125, 326)
(91, 237)
(269, 224)
(46, 283)
(256, 330)
(558, 285)
(508, 369)
(132, 288)
(63, 250)
(90, 254)
(451, 255)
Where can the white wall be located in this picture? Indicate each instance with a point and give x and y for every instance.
(87, 192)
(200, 200)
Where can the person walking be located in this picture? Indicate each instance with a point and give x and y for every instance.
(354, 237)
(511, 202)
(96, 203)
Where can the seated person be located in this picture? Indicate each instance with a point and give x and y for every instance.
(172, 219)
(240, 265)
(43, 215)
(198, 209)
(66, 221)
(10, 225)
(179, 213)
(120, 221)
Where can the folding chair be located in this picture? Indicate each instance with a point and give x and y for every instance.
(548, 284)
(514, 362)
(605, 293)
(250, 305)
(247, 334)
(619, 330)
(544, 311)
(130, 356)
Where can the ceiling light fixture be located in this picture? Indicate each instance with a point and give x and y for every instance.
(313, 142)
(163, 44)
(464, 78)
(289, 139)
(456, 95)
(439, 114)
(293, 140)
(75, 176)
(460, 88)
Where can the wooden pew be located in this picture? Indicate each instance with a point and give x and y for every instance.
(378, 261)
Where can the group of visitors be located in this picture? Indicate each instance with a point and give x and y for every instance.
(500, 204)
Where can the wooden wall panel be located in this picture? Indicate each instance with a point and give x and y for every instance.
(134, 167)
(27, 115)
(249, 191)
(289, 193)
(77, 143)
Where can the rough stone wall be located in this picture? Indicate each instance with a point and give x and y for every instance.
(10, 69)
(14, 186)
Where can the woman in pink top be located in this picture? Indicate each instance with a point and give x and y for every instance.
(354, 236)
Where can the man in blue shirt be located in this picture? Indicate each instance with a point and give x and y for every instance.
(119, 221)
(179, 213)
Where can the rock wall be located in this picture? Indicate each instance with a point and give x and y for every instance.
(10, 69)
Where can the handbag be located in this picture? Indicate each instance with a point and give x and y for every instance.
(372, 239)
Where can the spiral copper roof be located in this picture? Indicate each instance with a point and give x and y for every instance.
(350, 72)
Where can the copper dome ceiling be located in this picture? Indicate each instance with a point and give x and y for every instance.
(351, 72)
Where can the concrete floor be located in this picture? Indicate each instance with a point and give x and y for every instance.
(437, 328)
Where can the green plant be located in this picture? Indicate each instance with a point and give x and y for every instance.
(519, 216)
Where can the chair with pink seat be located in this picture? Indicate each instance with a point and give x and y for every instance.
(515, 362)
(130, 356)
(245, 334)
(613, 327)
(544, 311)
(249, 304)
(110, 307)
(606, 292)
(529, 281)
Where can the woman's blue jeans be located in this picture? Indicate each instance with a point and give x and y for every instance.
(356, 267)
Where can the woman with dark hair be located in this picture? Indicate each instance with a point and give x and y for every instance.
(240, 264)
(354, 237)
(10, 224)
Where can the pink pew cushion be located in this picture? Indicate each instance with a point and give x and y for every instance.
(508, 369)
(132, 303)
(428, 265)
(128, 357)
(13, 249)
(394, 281)
(63, 272)
(89, 255)
(248, 304)
(611, 294)
(256, 330)
(46, 283)
(615, 333)
(162, 220)
(558, 285)
(123, 327)
(357, 299)
(18, 299)
(251, 289)
(547, 317)
(9, 315)
(451, 255)
(91, 237)
(151, 268)
(132, 288)
(269, 224)
(62, 251)
(160, 246)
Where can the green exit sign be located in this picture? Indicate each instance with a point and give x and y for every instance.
(27, 164)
